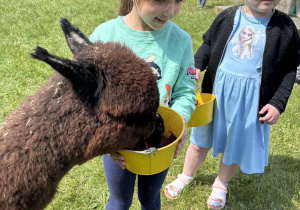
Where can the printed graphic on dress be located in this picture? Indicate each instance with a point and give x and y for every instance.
(155, 68)
(244, 41)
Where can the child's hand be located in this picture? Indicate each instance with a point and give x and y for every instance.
(118, 158)
(271, 116)
(197, 76)
(181, 140)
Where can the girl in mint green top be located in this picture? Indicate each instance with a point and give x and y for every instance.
(144, 26)
(168, 51)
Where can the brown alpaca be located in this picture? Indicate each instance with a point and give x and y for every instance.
(102, 101)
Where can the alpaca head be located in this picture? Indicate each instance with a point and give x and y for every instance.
(108, 78)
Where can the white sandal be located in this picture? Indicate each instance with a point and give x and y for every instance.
(214, 202)
(175, 189)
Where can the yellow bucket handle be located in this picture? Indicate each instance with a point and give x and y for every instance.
(147, 151)
(199, 97)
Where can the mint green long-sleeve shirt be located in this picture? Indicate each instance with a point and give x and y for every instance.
(170, 54)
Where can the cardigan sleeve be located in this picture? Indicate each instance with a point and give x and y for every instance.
(202, 56)
(291, 58)
(284, 48)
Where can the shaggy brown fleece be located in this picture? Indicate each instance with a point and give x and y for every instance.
(102, 101)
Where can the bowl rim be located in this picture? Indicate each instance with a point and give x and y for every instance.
(149, 151)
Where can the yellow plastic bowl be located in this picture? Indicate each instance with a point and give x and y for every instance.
(153, 161)
(203, 112)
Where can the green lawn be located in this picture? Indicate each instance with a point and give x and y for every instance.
(26, 24)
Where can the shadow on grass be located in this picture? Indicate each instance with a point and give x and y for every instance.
(277, 188)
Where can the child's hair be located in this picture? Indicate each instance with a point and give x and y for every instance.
(125, 7)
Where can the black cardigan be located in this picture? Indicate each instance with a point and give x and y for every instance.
(280, 59)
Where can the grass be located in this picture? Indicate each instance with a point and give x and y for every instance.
(26, 24)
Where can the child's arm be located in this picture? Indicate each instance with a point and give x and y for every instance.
(181, 142)
(285, 72)
(183, 92)
(202, 55)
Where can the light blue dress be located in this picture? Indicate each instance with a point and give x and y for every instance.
(235, 130)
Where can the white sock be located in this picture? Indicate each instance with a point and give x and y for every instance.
(177, 183)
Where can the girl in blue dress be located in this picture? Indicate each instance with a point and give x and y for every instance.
(251, 53)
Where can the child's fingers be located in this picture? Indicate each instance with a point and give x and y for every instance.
(263, 110)
(181, 141)
(269, 114)
(270, 121)
(180, 144)
(198, 71)
(119, 159)
(178, 148)
(265, 119)
(266, 116)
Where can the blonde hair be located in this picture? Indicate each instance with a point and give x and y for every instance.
(248, 44)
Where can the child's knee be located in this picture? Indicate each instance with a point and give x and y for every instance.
(198, 149)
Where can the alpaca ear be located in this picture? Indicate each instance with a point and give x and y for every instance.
(74, 37)
(82, 75)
